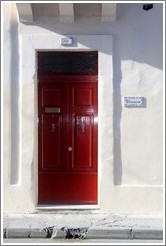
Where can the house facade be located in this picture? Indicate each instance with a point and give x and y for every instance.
(82, 107)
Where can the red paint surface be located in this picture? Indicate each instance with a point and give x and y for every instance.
(67, 177)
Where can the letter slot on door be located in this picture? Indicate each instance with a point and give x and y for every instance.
(52, 110)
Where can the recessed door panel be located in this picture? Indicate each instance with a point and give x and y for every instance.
(53, 188)
(83, 188)
(83, 142)
(82, 96)
(51, 97)
(52, 140)
(52, 127)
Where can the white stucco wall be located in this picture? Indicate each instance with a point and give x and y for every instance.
(130, 139)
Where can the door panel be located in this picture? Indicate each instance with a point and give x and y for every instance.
(53, 188)
(83, 188)
(67, 188)
(82, 96)
(52, 128)
(67, 141)
(52, 137)
(83, 142)
(83, 131)
(51, 97)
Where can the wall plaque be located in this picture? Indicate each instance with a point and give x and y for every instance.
(134, 102)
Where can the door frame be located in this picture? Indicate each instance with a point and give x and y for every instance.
(30, 44)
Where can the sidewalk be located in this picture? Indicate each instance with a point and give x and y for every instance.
(83, 225)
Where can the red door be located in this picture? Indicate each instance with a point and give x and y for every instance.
(67, 142)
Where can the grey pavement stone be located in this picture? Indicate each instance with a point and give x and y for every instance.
(108, 232)
(93, 232)
(147, 233)
(38, 233)
(17, 232)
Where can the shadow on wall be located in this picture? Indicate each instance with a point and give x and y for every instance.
(141, 34)
(117, 110)
(139, 31)
(14, 100)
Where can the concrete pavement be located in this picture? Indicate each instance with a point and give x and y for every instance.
(79, 241)
(82, 225)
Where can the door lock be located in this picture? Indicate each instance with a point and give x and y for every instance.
(69, 148)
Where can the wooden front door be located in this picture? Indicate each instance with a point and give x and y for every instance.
(67, 137)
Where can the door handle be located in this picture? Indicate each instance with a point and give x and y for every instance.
(83, 124)
(53, 127)
(69, 148)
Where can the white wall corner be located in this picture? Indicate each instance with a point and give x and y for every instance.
(66, 11)
(108, 12)
(25, 12)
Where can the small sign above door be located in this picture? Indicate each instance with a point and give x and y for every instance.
(66, 41)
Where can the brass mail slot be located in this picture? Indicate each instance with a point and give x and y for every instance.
(52, 110)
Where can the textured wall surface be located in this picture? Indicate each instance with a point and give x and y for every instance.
(130, 158)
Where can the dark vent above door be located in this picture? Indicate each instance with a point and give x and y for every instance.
(68, 63)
